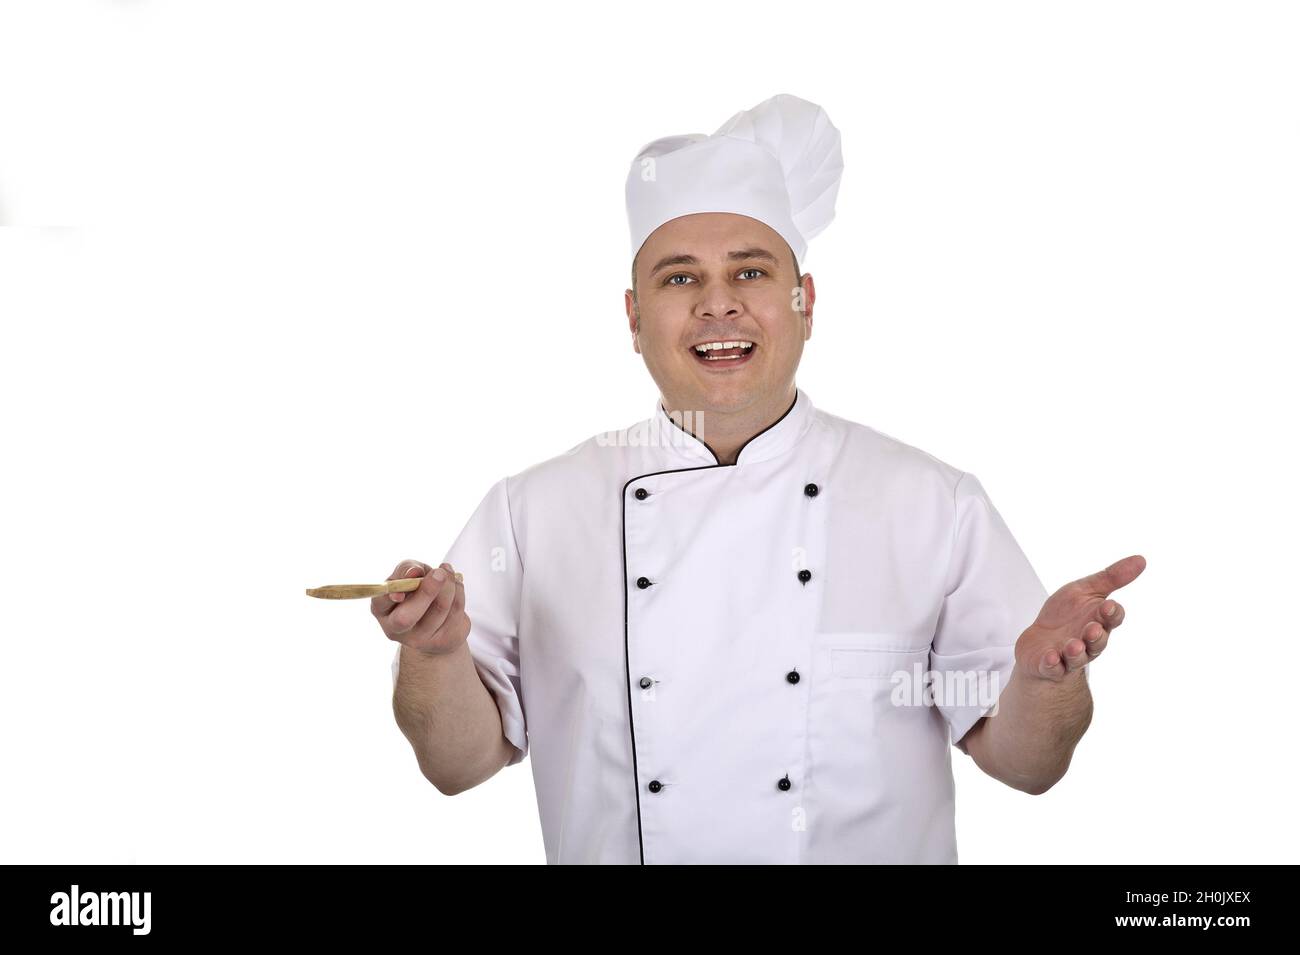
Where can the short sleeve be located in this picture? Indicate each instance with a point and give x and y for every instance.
(487, 555)
(992, 595)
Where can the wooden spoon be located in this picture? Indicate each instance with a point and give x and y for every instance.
(402, 585)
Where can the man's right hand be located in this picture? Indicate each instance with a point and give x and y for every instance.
(430, 619)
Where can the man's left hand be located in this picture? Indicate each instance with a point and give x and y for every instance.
(1075, 623)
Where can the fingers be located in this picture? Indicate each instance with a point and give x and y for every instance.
(457, 612)
(1111, 614)
(417, 569)
(425, 609)
(1094, 638)
(1057, 665)
(1096, 633)
(1117, 575)
(1051, 666)
(1057, 662)
(382, 605)
(1076, 655)
(443, 625)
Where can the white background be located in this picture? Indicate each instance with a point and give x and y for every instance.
(286, 286)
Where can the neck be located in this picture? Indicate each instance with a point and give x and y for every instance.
(725, 433)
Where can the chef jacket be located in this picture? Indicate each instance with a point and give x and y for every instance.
(704, 658)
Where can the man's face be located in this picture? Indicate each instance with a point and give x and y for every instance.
(719, 277)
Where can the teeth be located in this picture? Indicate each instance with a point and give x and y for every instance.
(707, 347)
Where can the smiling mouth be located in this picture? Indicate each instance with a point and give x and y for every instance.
(723, 354)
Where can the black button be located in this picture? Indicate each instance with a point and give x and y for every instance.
(792, 676)
(646, 683)
(804, 576)
(642, 494)
(784, 783)
(643, 582)
(655, 785)
(810, 490)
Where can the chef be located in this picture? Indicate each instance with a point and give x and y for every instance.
(743, 630)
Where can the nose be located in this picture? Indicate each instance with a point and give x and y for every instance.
(720, 302)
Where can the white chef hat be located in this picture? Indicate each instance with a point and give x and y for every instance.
(779, 163)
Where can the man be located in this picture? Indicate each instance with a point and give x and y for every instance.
(743, 630)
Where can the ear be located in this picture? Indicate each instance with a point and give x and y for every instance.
(633, 319)
(809, 297)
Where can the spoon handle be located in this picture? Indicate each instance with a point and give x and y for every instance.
(402, 585)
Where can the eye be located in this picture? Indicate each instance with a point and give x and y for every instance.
(753, 269)
(679, 275)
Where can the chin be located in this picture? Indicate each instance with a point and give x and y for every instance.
(728, 396)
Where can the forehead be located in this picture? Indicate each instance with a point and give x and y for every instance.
(710, 234)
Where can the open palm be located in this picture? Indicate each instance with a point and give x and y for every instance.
(1075, 623)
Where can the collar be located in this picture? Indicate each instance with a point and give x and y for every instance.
(777, 438)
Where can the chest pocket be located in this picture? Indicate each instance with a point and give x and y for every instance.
(876, 663)
(870, 655)
(866, 680)
(878, 763)
(867, 718)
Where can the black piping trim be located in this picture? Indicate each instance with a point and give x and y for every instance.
(717, 463)
(627, 660)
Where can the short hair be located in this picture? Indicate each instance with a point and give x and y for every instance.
(793, 258)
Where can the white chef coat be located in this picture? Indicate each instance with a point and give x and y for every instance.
(702, 656)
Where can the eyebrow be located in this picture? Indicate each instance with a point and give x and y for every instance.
(738, 255)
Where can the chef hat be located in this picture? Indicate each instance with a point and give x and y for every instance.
(779, 163)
